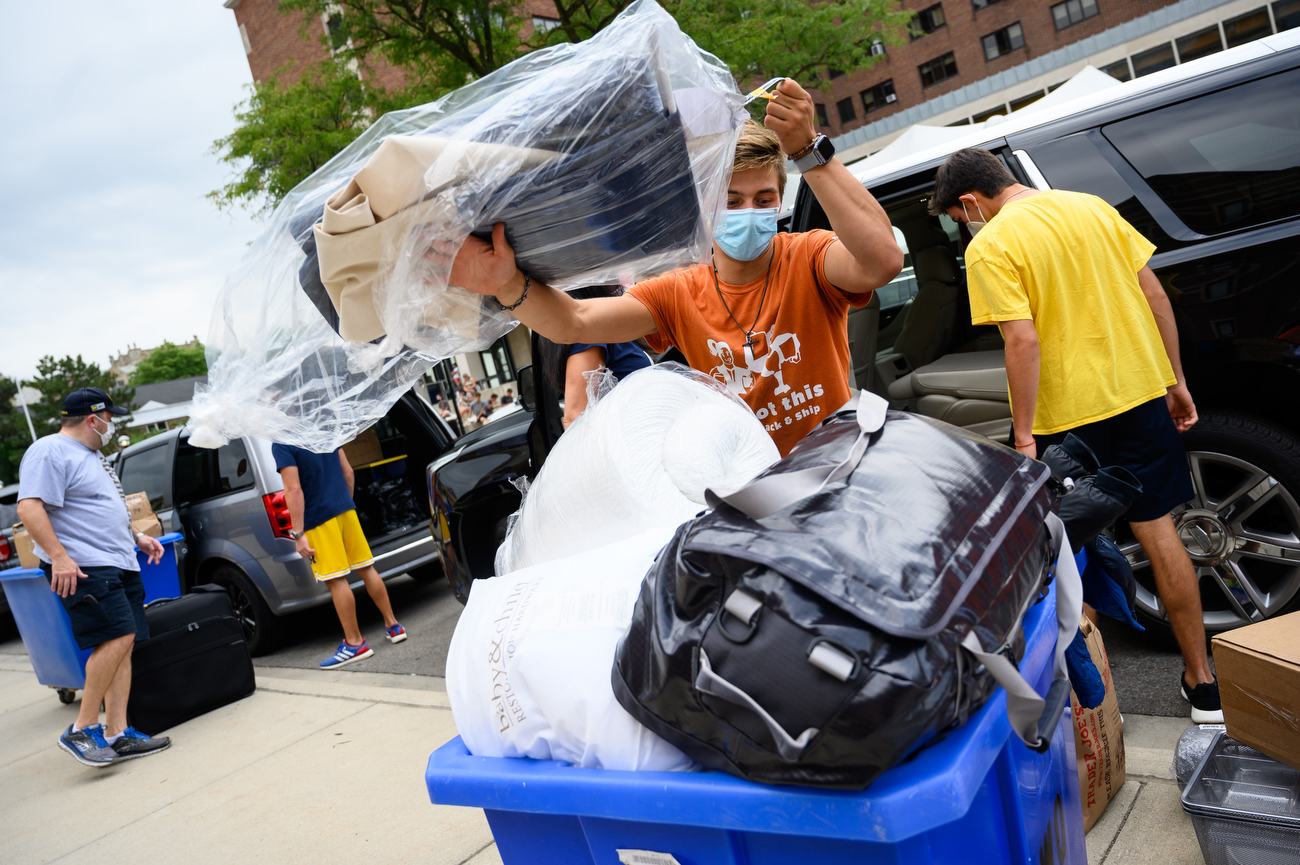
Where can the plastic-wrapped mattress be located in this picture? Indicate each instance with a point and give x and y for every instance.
(607, 160)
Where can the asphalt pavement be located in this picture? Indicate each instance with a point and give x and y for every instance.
(1145, 666)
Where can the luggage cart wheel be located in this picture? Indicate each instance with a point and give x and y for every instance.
(67, 695)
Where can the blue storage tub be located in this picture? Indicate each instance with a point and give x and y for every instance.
(980, 795)
(162, 580)
(46, 630)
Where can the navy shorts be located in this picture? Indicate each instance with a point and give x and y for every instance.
(1145, 441)
(108, 604)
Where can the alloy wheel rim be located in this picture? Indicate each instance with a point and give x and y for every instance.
(243, 608)
(1242, 533)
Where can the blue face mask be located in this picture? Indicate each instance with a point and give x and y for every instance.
(746, 233)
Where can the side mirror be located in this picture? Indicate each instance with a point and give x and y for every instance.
(527, 389)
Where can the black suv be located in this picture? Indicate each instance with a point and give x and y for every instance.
(1204, 160)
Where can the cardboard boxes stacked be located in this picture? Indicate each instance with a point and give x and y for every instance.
(143, 519)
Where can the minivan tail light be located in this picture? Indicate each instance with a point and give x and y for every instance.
(277, 510)
(5, 551)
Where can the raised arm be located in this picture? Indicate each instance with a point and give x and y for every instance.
(489, 269)
(866, 256)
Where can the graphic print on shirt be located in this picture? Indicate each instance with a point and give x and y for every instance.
(772, 354)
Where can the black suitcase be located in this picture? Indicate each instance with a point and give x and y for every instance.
(194, 661)
(857, 599)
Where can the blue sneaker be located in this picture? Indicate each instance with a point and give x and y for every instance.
(132, 743)
(396, 633)
(88, 747)
(346, 655)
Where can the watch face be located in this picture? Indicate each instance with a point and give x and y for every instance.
(824, 146)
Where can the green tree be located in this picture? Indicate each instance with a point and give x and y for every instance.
(285, 133)
(14, 437)
(57, 378)
(169, 362)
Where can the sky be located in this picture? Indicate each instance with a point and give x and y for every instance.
(109, 113)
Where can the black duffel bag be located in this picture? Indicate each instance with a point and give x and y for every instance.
(850, 604)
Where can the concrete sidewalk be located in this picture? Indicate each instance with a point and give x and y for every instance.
(329, 768)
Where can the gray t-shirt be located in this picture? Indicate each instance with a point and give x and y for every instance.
(87, 512)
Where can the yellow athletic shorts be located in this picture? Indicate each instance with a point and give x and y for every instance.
(340, 547)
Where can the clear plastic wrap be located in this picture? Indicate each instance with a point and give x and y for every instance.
(607, 161)
(641, 455)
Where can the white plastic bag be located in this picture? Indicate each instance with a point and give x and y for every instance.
(607, 160)
(641, 455)
(528, 671)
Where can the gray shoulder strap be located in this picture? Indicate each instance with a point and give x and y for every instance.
(770, 493)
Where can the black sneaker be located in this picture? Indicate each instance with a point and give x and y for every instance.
(132, 743)
(87, 745)
(1205, 702)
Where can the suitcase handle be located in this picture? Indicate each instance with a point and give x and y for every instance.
(709, 682)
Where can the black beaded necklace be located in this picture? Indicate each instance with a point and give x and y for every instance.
(750, 342)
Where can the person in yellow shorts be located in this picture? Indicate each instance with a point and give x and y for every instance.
(318, 490)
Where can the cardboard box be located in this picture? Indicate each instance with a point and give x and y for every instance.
(1259, 682)
(23, 544)
(143, 519)
(364, 449)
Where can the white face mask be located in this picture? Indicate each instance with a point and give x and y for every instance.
(107, 435)
(974, 227)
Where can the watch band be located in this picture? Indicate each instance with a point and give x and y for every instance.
(820, 152)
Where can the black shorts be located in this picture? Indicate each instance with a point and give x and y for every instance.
(1145, 441)
(108, 604)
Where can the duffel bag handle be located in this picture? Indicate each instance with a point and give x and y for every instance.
(770, 493)
(709, 682)
(1033, 718)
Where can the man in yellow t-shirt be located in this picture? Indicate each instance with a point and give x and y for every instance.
(1091, 348)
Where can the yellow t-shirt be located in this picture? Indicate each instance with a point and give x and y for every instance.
(1069, 262)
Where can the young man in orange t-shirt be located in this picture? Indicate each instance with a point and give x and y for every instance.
(769, 318)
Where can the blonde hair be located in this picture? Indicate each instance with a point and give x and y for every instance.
(759, 147)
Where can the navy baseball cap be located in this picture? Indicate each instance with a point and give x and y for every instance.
(88, 400)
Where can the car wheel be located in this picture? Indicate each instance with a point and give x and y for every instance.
(261, 626)
(1241, 530)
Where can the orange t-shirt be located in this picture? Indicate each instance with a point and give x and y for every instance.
(796, 372)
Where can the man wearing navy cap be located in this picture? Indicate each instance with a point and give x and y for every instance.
(74, 509)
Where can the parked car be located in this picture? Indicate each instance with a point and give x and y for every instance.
(8, 552)
(1204, 160)
(229, 504)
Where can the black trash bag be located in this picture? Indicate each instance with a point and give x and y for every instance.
(398, 506)
(1071, 459)
(825, 641)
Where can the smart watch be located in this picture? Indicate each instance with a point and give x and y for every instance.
(818, 153)
(295, 535)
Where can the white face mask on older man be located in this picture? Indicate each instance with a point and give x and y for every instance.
(107, 435)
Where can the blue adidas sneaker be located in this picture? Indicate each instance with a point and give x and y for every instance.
(346, 655)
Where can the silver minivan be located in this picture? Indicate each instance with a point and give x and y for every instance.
(229, 505)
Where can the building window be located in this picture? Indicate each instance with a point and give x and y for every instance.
(822, 118)
(1017, 104)
(1119, 70)
(832, 74)
(1202, 43)
(1160, 57)
(938, 69)
(845, 107)
(980, 4)
(928, 21)
(996, 111)
(544, 25)
(878, 96)
(1072, 12)
(1286, 14)
(1248, 27)
(1003, 41)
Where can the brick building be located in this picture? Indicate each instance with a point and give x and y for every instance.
(968, 60)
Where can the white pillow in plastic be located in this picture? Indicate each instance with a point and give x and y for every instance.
(640, 456)
(528, 671)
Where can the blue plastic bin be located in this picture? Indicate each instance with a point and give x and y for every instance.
(45, 629)
(162, 580)
(978, 796)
